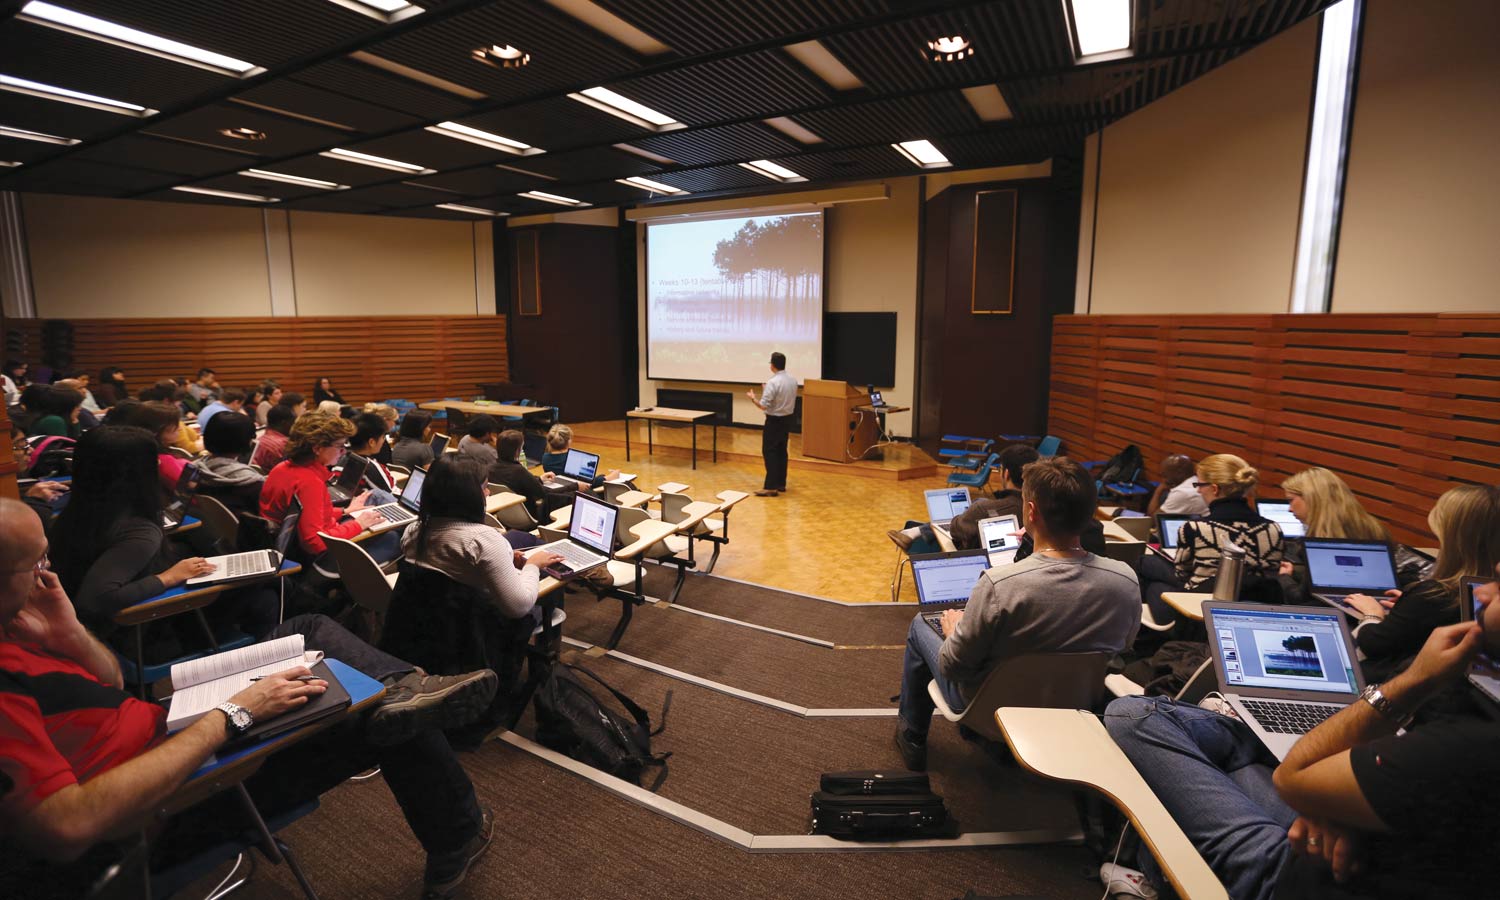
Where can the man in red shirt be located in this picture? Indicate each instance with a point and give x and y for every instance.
(83, 762)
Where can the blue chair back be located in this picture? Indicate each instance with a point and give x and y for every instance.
(1049, 446)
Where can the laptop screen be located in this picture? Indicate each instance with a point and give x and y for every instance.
(353, 471)
(944, 578)
(1171, 528)
(187, 483)
(1484, 671)
(1300, 649)
(439, 444)
(581, 465)
(875, 399)
(998, 534)
(593, 523)
(943, 504)
(411, 492)
(1280, 512)
(1363, 566)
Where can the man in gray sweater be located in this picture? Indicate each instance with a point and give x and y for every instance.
(1060, 599)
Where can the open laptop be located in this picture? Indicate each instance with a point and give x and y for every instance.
(1484, 671)
(946, 504)
(945, 581)
(876, 400)
(438, 445)
(1170, 528)
(997, 536)
(590, 540)
(1284, 669)
(1280, 512)
(1337, 568)
(182, 497)
(407, 505)
(350, 479)
(252, 564)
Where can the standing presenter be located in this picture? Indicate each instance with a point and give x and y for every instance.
(778, 401)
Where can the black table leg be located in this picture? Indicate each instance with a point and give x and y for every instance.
(650, 441)
(695, 443)
(627, 439)
(716, 440)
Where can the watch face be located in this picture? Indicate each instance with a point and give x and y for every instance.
(240, 719)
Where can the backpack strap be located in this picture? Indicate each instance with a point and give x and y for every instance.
(640, 715)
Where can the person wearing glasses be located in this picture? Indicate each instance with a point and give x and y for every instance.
(316, 443)
(1227, 484)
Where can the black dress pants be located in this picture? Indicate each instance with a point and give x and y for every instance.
(773, 441)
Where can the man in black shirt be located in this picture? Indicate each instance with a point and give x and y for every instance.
(1355, 810)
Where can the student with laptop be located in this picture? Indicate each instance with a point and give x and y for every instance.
(368, 441)
(509, 472)
(229, 437)
(479, 439)
(1176, 494)
(963, 528)
(1227, 484)
(1060, 599)
(1320, 505)
(411, 449)
(110, 551)
(165, 424)
(1354, 809)
(555, 459)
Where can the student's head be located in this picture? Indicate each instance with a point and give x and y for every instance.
(161, 419)
(279, 418)
(318, 437)
(1225, 476)
(234, 398)
(369, 432)
(509, 445)
(23, 545)
(81, 377)
(1013, 461)
(229, 434)
(415, 424)
(16, 369)
(207, 377)
(271, 392)
(1326, 506)
(32, 397)
(331, 408)
(114, 475)
(296, 401)
(454, 489)
(386, 412)
(20, 448)
(559, 438)
(60, 400)
(1176, 469)
(253, 396)
(481, 427)
(778, 361)
(1466, 520)
(325, 383)
(1059, 498)
(122, 413)
(111, 375)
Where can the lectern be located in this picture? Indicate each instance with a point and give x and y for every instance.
(830, 428)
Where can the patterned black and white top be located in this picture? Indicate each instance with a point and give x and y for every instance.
(1230, 520)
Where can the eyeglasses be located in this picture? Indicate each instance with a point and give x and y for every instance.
(1203, 484)
(38, 568)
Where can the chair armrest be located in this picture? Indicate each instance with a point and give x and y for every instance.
(730, 498)
(632, 499)
(694, 513)
(547, 585)
(1071, 745)
(170, 602)
(1189, 604)
(1120, 686)
(673, 487)
(496, 502)
(941, 702)
(562, 517)
(648, 533)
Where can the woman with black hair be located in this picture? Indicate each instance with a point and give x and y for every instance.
(451, 537)
(227, 437)
(109, 549)
(110, 388)
(323, 390)
(28, 408)
(411, 448)
(58, 409)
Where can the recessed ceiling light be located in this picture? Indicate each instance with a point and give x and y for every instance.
(386, 11)
(552, 198)
(601, 19)
(645, 154)
(51, 16)
(922, 154)
(243, 134)
(417, 75)
(24, 135)
(379, 162)
(649, 185)
(295, 179)
(229, 195)
(470, 209)
(771, 170)
(77, 98)
(9, 165)
(483, 138)
(1099, 26)
(606, 100)
(824, 65)
(498, 57)
(988, 103)
(793, 130)
(949, 49)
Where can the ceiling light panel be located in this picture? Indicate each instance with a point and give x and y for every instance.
(387, 11)
(461, 132)
(295, 179)
(606, 100)
(988, 103)
(472, 210)
(76, 98)
(647, 184)
(771, 170)
(53, 16)
(793, 130)
(379, 162)
(228, 195)
(23, 134)
(922, 154)
(1099, 26)
(551, 198)
(825, 65)
(606, 22)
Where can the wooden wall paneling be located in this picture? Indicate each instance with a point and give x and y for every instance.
(1401, 406)
(8, 467)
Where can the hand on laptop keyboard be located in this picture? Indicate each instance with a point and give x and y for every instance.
(543, 559)
(369, 519)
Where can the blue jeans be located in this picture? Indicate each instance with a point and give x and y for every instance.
(1214, 777)
(919, 667)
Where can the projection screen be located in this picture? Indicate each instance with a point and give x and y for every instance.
(722, 294)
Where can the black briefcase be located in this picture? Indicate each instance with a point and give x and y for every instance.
(880, 817)
(871, 782)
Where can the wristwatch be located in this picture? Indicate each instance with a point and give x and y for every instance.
(1383, 705)
(237, 718)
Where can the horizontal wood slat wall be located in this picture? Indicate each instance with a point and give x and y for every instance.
(1401, 406)
(368, 357)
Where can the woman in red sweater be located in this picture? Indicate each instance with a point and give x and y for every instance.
(316, 442)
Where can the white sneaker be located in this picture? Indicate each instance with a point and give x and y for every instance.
(1219, 705)
(1122, 882)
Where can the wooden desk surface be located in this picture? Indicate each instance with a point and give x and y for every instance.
(1187, 603)
(482, 409)
(668, 414)
(867, 408)
(186, 597)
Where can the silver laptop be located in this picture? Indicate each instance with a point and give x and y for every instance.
(998, 539)
(1170, 528)
(945, 581)
(1338, 568)
(1280, 512)
(1284, 669)
(579, 469)
(407, 506)
(252, 564)
(1484, 671)
(173, 514)
(590, 540)
(946, 504)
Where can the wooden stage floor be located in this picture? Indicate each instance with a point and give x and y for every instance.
(826, 536)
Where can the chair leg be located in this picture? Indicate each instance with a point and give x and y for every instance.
(275, 850)
(896, 578)
(709, 569)
(234, 879)
(291, 861)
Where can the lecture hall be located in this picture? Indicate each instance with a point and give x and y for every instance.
(699, 449)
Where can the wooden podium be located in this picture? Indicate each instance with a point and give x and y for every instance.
(829, 421)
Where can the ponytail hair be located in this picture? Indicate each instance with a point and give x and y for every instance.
(1233, 476)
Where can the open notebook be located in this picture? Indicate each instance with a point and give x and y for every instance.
(199, 685)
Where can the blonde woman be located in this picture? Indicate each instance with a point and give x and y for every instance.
(1326, 507)
(559, 441)
(1227, 484)
(1466, 520)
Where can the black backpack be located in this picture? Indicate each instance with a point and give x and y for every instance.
(51, 456)
(570, 720)
(1124, 467)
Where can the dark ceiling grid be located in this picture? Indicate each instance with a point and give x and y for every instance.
(284, 137)
(702, 146)
(553, 124)
(146, 152)
(347, 76)
(691, 28)
(36, 114)
(305, 100)
(50, 56)
(894, 119)
(756, 84)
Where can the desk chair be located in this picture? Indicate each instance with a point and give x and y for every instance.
(512, 515)
(368, 586)
(1052, 680)
(1138, 527)
(903, 560)
(180, 453)
(714, 527)
(1049, 446)
(222, 526)
(1203, 681)
(977, 479)
(1127, 552)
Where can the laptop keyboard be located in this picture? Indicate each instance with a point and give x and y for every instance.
(241, 564)
(394, 514)
(934, 621)
(1288, 718)
(575, 556)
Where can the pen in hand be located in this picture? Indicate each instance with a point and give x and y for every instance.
(297, 678)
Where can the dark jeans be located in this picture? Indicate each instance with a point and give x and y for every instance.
(919, 667)
(773, 441)
(433, 790)
(1158, 577)
(925, 541)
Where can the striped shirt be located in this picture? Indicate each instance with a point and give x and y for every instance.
(1228, 521)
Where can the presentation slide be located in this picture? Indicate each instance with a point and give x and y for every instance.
(723, 294)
